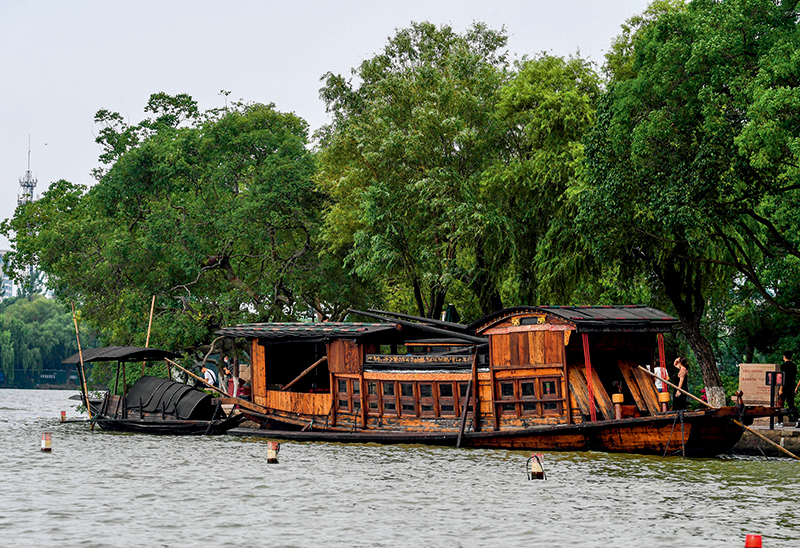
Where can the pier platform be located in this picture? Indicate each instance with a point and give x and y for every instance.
(786, 436)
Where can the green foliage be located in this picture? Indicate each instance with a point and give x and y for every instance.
(214, 214)
(35, 333)
(547, 108)
(684, 179)
(403, 158)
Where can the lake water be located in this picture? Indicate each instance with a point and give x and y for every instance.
(109, 489)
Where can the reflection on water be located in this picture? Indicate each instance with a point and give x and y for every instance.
(108, 489)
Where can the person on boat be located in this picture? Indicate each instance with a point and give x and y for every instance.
(679, 399)
(209, 376)
(661, 371)
(226, 372)
(788, 390)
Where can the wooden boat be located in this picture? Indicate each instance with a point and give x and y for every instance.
(154, 405)
(533, 378)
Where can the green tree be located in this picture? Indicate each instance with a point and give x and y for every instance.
(35, 333)
(678, 180)
(546, 108)
(403, 159)
(213, 213)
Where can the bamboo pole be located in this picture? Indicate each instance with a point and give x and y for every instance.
(149, 325)
(211, 386)
(84, 388)
(306, 372)
(737, 422)
(226, 398)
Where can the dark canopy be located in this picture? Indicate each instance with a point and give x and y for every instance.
(121, 354)
(153, 394)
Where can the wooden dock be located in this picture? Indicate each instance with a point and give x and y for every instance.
(787, 437)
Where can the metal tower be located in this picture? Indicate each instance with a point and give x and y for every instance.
(27, 183)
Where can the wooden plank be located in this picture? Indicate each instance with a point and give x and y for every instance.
(500, 351)
(601, 396)
(578, 388)
(519, 348)
(258, 375)
(565, 384)
(648, 389)
(553, 343)
(633, 386)
(536, 346)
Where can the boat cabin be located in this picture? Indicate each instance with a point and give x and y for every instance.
(563, 364)
(518, 368)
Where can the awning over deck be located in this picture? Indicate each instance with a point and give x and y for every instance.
(307, 332)
(121, 354)
(588, 318)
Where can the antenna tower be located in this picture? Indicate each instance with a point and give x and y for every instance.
(27, 182)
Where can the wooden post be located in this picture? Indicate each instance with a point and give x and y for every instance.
(363, 399)
(587, 360)
(116, 379)
(334, 399)
(567, 402)
(476, 417)
(492, 358)
(149, 324)
(661, 355)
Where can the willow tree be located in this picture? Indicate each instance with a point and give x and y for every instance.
(412, 133)
(547, 108)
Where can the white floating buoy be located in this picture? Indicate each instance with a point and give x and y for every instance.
(535, 467)
(273, 447)
(47, 442)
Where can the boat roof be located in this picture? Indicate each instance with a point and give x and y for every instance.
(309, 332)
(591, 318)
(121, 354)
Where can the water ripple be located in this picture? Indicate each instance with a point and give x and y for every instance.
(99, 489)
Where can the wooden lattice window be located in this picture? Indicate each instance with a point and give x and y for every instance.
(348, 395)
(427, 403)
(447, 400)
(373, 398)
(408, 401)
(389, 398)
(533, 396)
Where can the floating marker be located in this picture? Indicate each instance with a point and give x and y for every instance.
(535, 468)
(63, 416)
(752, 541)
(273, 447)
(47, 442)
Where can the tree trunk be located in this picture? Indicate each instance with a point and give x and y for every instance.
(683, 284)
(482, 285)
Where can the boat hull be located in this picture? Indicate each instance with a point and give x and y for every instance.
(695, 434)
(169, 427)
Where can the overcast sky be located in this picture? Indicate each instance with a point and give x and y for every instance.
(61, 61)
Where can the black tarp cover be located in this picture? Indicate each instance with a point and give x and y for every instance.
(177, 399)
(122, 354)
